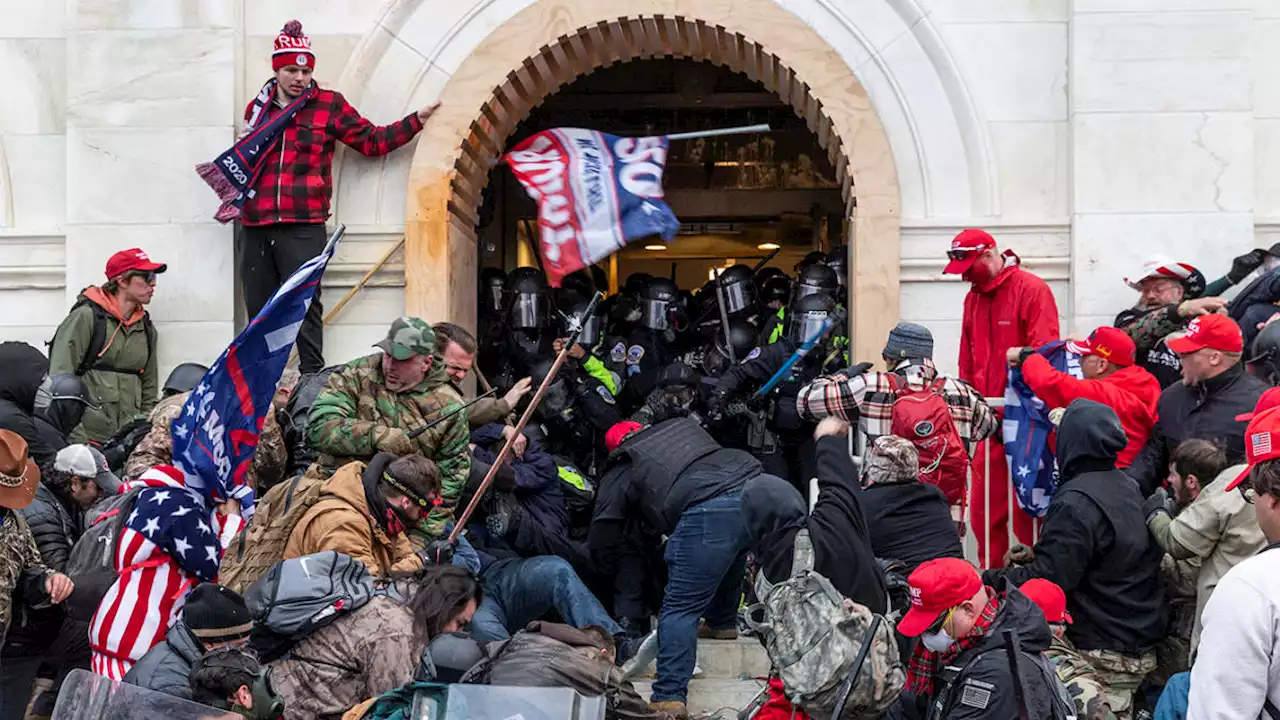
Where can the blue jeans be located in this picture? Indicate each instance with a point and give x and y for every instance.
(1174, 699)
(518, 591)
(705, 563)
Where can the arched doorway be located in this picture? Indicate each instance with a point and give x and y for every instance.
(511, 72)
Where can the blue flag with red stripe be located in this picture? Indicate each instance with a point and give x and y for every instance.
(215, 436)
(1033, 469)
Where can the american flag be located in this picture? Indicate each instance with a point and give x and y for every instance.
(1033, 470)
(171, 540)
(1260, 444)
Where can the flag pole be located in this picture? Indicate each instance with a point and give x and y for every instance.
(461, 522)
(694, 134)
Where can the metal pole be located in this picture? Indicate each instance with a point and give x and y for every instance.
(762, 127)
(451, 413)
(724, 318)
(765, 260)
(461, 522)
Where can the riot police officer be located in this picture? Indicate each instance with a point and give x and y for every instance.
(574, 415)
(739, 292)
(838, 260)
(491, 321)
(601, 356)
(776, 434)
(813, 278)
(623, 309)
(528, 339)
(651, 346)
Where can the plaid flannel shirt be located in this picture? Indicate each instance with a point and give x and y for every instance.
(297, 182)
(873, 396)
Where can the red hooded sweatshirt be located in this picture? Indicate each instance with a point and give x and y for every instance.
(1132, 392)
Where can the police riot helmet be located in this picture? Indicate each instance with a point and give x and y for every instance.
(635, 283)
(656, 300)
(765, 273)
(448, 657)
(1265, 360)
(528, 298)
(814, 279)
(592, 325)
(838, 260)
(807, 315)
(742, 338)
(815, 257)
(739, 291)
(184, 378)
(493, 288)
(62, 400)
(776, 289)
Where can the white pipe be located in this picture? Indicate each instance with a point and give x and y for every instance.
(762, 127)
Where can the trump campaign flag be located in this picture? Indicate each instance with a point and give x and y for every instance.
(595, 192)
(1033, 469)
(217, 432)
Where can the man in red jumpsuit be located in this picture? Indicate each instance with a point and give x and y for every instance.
(1006, 307)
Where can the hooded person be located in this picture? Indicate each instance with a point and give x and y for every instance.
(1095, 546)
(24, 370)
(773, 511)
(60, 405)
(908, 520)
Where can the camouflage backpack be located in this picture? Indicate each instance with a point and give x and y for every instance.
(261, 544)
(829, 657)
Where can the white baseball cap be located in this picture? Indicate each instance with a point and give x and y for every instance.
(86, 462)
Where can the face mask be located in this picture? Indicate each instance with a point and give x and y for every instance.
(939, 641)
(267, 705)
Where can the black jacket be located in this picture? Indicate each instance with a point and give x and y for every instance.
(911, 522)
(1095, 543)
(761, 365)
(52, 436)
(980, 682)
(24, 369)
(773, 510)
(1206, 411)
(166, 667)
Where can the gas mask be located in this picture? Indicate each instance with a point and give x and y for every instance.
(267, 704)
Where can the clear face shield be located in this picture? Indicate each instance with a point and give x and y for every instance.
(495, 297)
(804, 326)
(737, 297)
(801, 290)
(656, 315)
(526, 312)
(592, 331)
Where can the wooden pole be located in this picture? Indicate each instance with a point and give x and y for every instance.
(363, 281)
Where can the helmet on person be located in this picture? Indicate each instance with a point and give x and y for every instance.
(448, 657)
(807, 315)
(528, 298)
(815, 257)
(592, 325)
(742, 338)
(558, 396)
(838, 260)
(814, 279)
(493, 288)
(62, 400)
(776, 289)
(184, 378)
(739, 291)
(574, 287)
(763, 274)
(656, 301)
(1193, 281)
(1265, 359)
(635, 283)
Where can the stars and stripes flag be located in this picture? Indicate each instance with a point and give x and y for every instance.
(595, 192)
(215, 436)
(1033, 470)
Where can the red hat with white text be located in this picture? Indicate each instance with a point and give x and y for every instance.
(292, 48)
(965, 249)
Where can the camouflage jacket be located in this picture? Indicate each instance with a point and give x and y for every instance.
(1152, 326)
(22, 572)
(1079, 677)
(156, 448)
(355, 410)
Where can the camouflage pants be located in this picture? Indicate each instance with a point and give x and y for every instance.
(1120, 675)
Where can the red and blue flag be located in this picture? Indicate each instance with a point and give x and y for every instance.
(1033, 469)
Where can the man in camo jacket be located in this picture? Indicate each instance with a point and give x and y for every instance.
(373, 403)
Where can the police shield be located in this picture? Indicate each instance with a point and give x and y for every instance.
(495, 702)
(86, 696)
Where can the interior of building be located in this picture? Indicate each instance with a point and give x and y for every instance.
(738, 197)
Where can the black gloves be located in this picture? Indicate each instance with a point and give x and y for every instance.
(437, 552)
(857, 370)
(1156, 503)
(1245, 264)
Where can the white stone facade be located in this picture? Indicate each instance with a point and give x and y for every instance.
(1083, 134)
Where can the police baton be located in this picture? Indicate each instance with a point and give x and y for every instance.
(724, 318)
(765, 260)
(575, 329)
(451, 413)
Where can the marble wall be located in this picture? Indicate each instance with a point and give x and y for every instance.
(1085, 135)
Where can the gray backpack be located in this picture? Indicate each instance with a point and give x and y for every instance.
(833, 661)
(300, 595)
(91, 564)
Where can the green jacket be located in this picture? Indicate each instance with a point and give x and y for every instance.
(120, 397)
(355, 408)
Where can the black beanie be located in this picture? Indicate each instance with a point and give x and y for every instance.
(215, 614)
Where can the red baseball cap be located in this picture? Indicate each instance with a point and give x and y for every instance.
(614, 436)
(1049, 597)
(965, 249)
(936, 587)
(1261, 442)
(1109, 344)
(132, 259)
(1268, 400)
(1217, 332)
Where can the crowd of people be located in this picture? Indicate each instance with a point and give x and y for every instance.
(662, 487)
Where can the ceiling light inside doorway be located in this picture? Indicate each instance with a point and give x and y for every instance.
(767, 246)
(655, 247)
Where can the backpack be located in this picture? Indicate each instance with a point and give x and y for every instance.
(98, 340)
(298, 596)
(123, 442)
(924, 418)
(828, 656)
(1055, 703)
(91, 565)
(260, 545)
(293, 419)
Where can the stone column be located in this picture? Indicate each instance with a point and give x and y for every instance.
(150, 92)
(1161, 103)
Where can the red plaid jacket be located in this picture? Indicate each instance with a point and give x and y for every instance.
(297, 181)
(872, 394)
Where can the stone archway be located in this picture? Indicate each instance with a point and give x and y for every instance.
(553, 42)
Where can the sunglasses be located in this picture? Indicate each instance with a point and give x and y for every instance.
(962, 253)
(149, 276)
(941, 621)
(1247, 492)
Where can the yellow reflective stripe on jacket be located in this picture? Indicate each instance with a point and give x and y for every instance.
(597, 370)
(568, 475)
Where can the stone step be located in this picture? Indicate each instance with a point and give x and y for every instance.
(713, 695)
(726, 660)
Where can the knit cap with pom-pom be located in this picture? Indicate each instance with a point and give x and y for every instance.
(292, 47)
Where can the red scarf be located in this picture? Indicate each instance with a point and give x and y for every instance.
(924, 665)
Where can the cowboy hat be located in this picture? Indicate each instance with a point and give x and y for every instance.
(18, 473)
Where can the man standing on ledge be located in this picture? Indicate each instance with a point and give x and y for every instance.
(283, 217)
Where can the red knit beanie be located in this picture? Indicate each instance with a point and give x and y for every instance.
(292, 48)
(619, 432)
